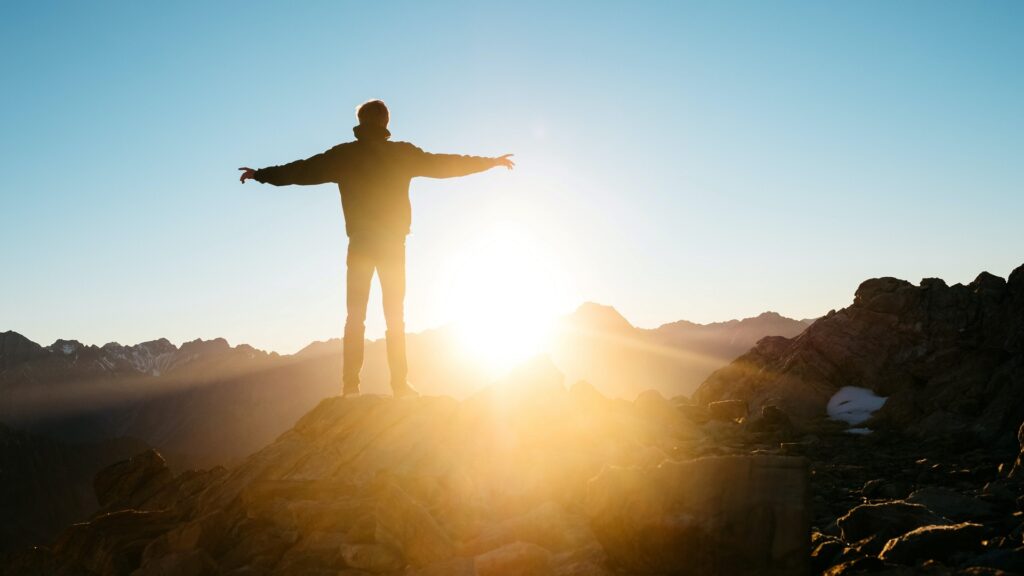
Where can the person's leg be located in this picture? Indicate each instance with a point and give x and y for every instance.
(391, 270)
(359, 274)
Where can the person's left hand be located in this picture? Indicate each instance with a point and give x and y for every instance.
(247, 174)
(505, 160)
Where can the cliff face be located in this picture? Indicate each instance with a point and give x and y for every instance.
(950, 359)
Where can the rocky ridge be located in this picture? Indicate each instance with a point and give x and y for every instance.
(949, 360)
(531, 478)
(525, 478)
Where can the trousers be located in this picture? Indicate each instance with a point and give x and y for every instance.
(386, 256)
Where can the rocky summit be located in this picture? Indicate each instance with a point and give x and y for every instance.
(530, 477)
(949, 360)
(525, 478)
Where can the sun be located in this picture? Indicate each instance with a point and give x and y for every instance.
(504, 293)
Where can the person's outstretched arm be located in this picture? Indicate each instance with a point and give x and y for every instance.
(453, 165)
(318, 169)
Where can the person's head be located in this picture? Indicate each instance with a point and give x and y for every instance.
(373, 113)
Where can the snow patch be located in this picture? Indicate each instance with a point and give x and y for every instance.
(854, 405)
(67, 348)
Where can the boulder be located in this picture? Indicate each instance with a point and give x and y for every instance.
(950, 504)
(728, 409)
(773, 421)
(721, 515)
(825, 554)
(885, 520)
(942, 543)
(112, 544)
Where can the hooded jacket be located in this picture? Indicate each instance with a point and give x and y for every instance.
(373, 175)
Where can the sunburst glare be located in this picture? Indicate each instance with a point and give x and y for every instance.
(504, 293)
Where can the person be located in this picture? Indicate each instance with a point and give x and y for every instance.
(373, 175)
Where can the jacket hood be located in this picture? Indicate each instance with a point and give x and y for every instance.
(370, 132)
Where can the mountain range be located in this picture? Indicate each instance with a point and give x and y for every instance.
(207, 402)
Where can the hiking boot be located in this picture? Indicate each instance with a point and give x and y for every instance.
(404, 391)
(350, 392)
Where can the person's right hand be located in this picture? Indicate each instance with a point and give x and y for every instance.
(247, 174)
(505, 160)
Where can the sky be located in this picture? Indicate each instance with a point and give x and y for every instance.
(676, 160)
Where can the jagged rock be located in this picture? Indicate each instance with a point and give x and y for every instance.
(728, 409)
(726, 515)
(772, 421)
(410, 529)
(133, 483)
(951, 504)
(825, 554)
(885, 520)
(940, 543)
(949, 359)
(872, 487)
(112, 544)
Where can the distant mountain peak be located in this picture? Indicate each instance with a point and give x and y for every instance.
(594, 316)
(10, 338)
(200, 347)
(66, 347)
(15, 348)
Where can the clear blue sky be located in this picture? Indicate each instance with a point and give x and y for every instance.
(677, 160)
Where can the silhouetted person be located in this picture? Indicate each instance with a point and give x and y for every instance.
(373, 176)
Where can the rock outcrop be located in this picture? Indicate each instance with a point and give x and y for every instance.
(949, 359)
(46, 485)
(526, 478)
